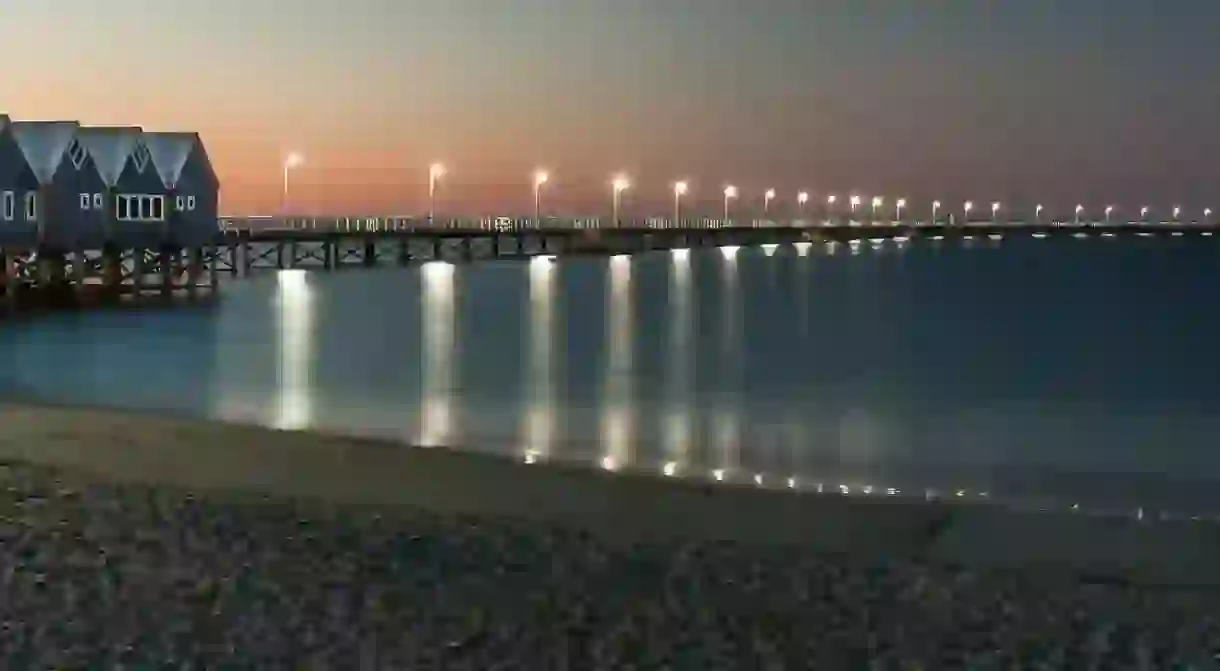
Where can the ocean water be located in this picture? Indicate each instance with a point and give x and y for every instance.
(1060, 371)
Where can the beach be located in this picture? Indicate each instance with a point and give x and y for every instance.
(147, 540)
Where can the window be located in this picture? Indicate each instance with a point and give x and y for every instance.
(98, 201)
(179, 203)
(31, 206)
(139, 208)
(77, 154)
(190, 202)
(141, 157)
(86, 201)
(10, 205)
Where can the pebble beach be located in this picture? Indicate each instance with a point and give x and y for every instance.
(98, 572)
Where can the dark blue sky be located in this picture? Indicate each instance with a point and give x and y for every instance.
(1056, 101)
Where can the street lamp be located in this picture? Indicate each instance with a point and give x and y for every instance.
(1079, 211)
(292, 160)
(995, 211)
(801, 199)
(680, 189)
(730, 192)
(435, 172)
(935, 209)
(540, 178)
(620, 184)
(1207, 213)
(969, 205)
(1109, 211)
(898, 207)
(1177, 210)
(854, 203)
(878, 201)
(1038, 214)
(1144, 213)
(767, 197)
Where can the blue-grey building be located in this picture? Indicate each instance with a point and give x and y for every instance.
(190, 182)
(38, 194)
(115, 204)
(11, 163)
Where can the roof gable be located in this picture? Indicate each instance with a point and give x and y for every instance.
(110, 147)
(4, 121)
(169, 154)
(43, 144)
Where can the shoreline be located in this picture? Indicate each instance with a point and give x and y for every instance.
(129, 447)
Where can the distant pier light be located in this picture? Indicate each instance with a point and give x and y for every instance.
(935, 209)
(853, 203)
(966, 207)
(899, 206)
(541, 177)
(767, 198)
(1207, 213)
(1177, 211)
(1079, 211)
(995, 211)
(878, 201)
(292, 161)
(619, 184)
(1109, 212)
(730, 192)
(1038, 214)
(680, 189)
(435, 172)
(801, 199)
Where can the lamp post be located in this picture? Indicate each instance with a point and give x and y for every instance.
(1177, 210)
(680, 189)
(854, 202)
(619, 185)
(935, 209)
(1038, 214)
(878, 201)
(435, 172)
(292, 160)
(1144, 213)
(966, 207)
(801, 199)
(730, 192)
(1079, 211)
(995, 212)
(767, 198)
(899, 205)
(540, 178)
(1109, 211)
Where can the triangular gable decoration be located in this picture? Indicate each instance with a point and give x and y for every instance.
(169, 154)
(43, 144)
(110, 148)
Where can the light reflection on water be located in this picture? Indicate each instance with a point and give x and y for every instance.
(1050, 368)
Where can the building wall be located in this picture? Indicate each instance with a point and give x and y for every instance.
(12, 167)
(198, 225)
(132, 181)
(68, 226)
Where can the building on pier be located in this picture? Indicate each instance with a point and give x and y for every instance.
(43, 172)
(99, 190)
(191, 186)
(11, 164)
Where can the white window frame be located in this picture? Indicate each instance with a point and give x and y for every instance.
(31, 206)
(99, 201)
(180, 203)
(10, 205)
(190, 202)
(139, 207)
(77, 154)
(86, 201)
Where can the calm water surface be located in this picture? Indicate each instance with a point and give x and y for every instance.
(1079, 370)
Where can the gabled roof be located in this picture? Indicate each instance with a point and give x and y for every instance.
(110, 147)
(4, 120)
(169, 154)
(43, 144)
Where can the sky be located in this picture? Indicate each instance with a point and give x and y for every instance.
(1022, 101)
